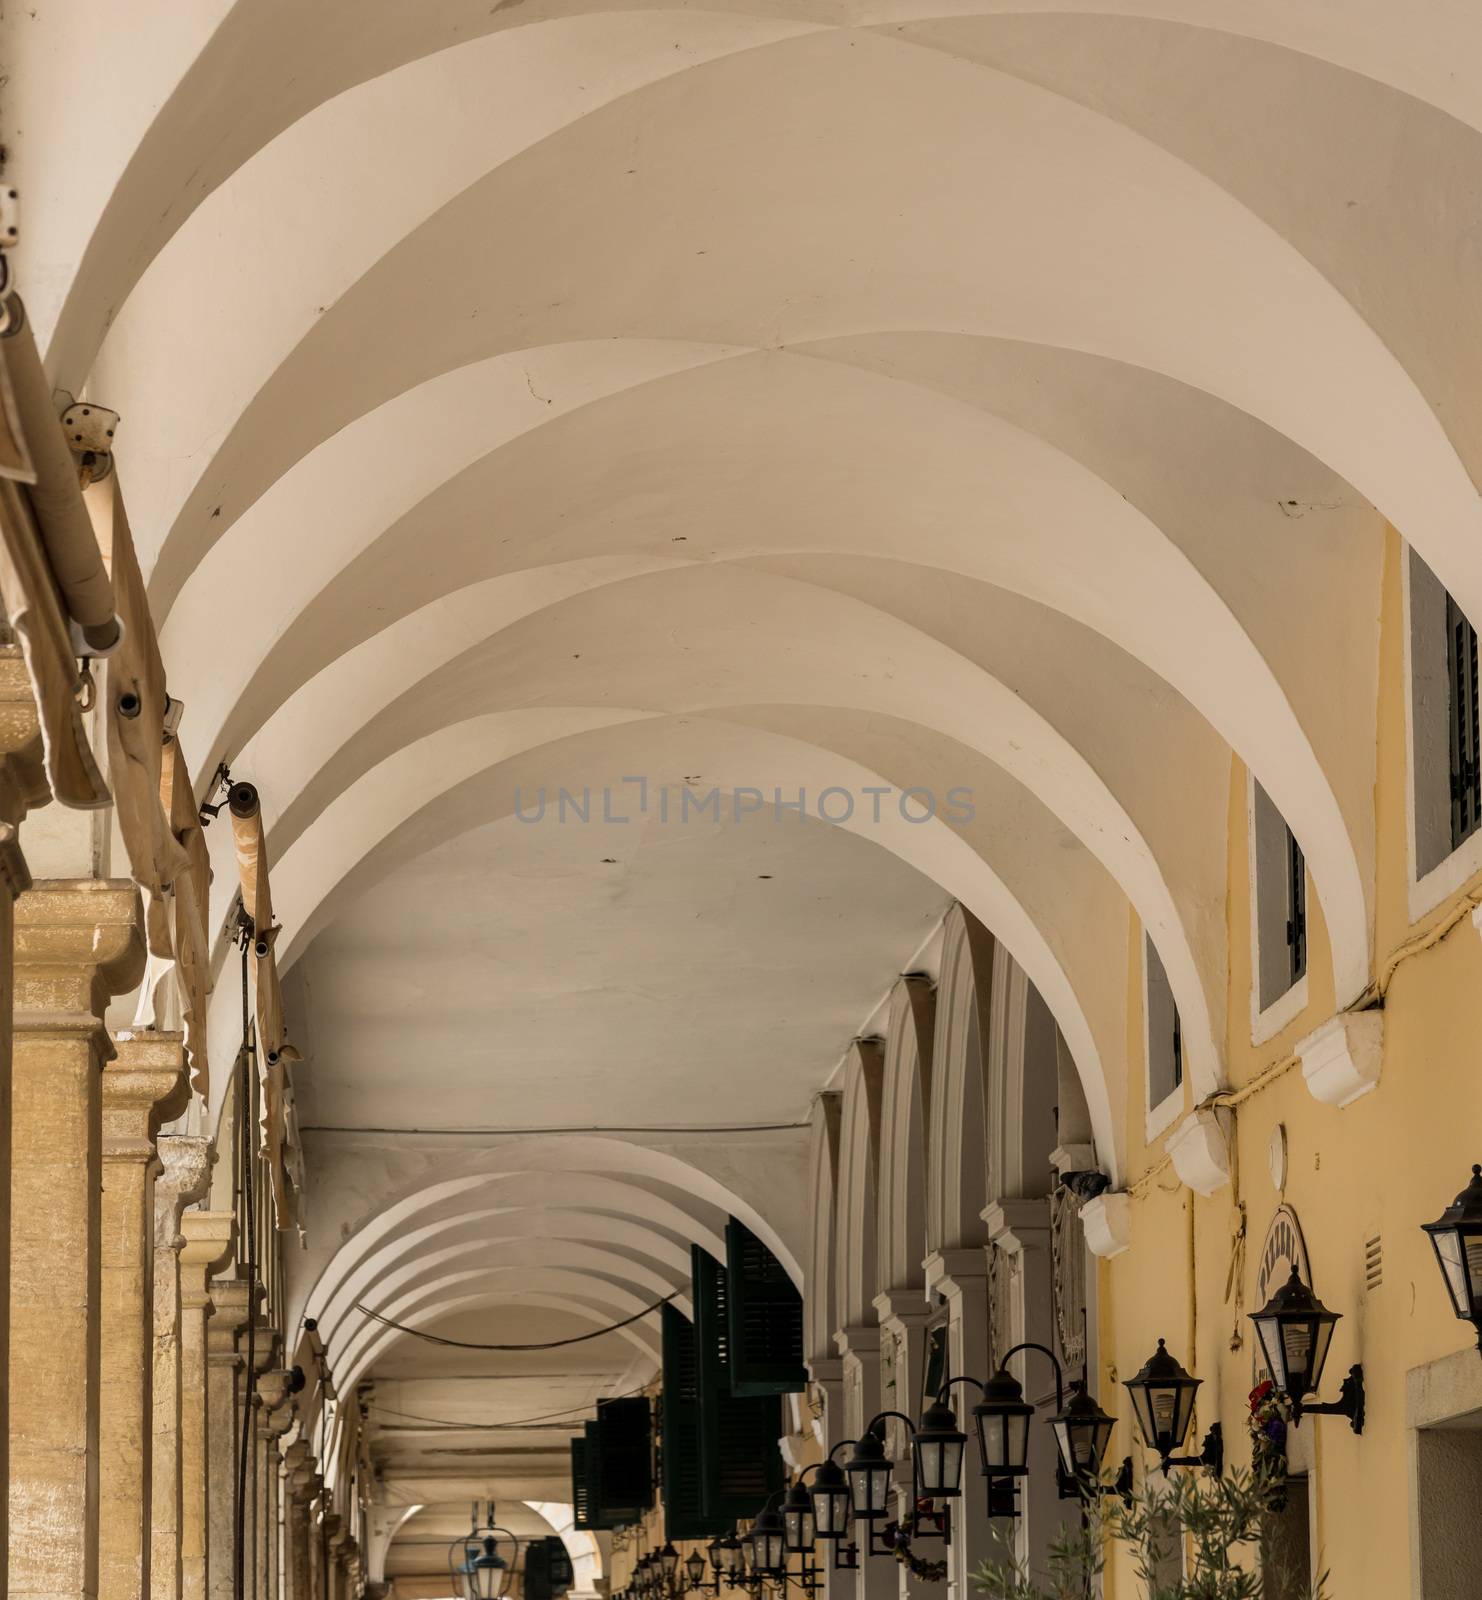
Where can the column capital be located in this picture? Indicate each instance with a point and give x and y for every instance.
(948, 1271)
(78, 942)
(899, 1309)
(186, 1160)
(23, 782)
(208, 1243)
(272, 1387)
(143, 1085)
(1017, 1224)
(229, 1299)
(861, 1339)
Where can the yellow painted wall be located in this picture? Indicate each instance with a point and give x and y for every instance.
(1384, 1165)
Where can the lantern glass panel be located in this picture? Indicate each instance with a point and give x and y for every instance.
(938, 1467)
(800, 1527)
(830, 1510)
(775, 1556)
(1003, 1442)
(1460, 1256)
(870, 1490)
(1082, 1444)
(1163, 1412)
(732, 1557)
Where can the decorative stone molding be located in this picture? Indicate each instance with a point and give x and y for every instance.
(186, 1160)
(1341, 1059)
(143, 1086)
(1068, 1276)
(1073, 1158)
(1107, 1224)
(947, 1271)
(78, 942)
(1201, 1151)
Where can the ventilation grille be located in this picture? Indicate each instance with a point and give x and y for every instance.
(1373, 1263)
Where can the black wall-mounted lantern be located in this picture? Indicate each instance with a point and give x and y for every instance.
(725, 1560)
(784, 1529)
(1163, 1403)
(799, 1524)
(1081, 1429)
(1296, 1329)
(870, 1474)
(1457, 1238)
(830, 1491)
(871, 1478)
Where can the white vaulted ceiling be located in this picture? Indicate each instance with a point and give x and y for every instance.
(855, 392)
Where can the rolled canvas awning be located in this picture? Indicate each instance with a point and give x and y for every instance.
(134, 702)
(66, 532)
(188, 903)
(39, 489)
(274, 1052)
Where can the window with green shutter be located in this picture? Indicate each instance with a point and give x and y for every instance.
(741, 1463)
(625, 1459)
(681, 1468)
(547, 1569)
(764, 1316)
(612, 1465)
(581, 1498)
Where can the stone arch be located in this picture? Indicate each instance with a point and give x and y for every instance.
(1023, 1083)
(820, 1298)
(905, 1116)
(958, 1146)
(857, 1257)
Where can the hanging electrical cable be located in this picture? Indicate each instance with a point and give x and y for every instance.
(547, 1344)
(519, 1422)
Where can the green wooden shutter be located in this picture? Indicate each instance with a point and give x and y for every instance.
(581, 1498)
(625, 1461)
(741, 1463)
(764, 1316)
(537, 1571)
(547, 1569)
(679, 1449)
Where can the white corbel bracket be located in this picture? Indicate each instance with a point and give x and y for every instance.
(1200, 1151)
(1341, 1059)
(1106, 1223)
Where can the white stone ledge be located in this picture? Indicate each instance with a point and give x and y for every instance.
(1107, 1224)
(1341, 1059)
(1200, 1151)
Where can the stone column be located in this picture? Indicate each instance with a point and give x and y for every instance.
(143, 1085)
(827, 1373)
(229, 1297)
(318, 1577)
(904, 1314)
(1020, 1232)
(208, 1243)
(960, 1276)
(859, 1346)
(77, 943)
(277, 1418)
(266, 1392)
(186, 1162)
(301, 1485)
(22, 786)
(332, 1535)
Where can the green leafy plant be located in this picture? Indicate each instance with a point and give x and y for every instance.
(1220, 1524)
